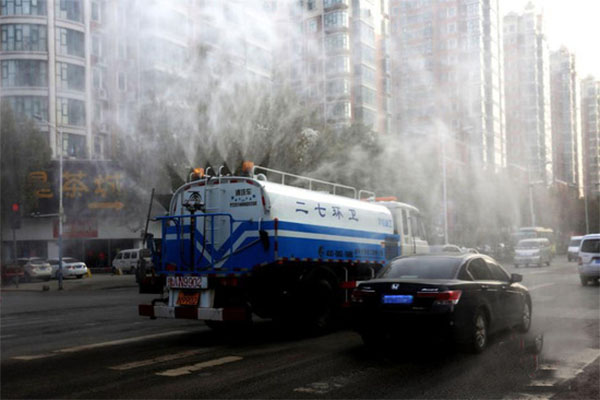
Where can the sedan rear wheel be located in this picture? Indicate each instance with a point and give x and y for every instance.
(525, 323)
(479, 332)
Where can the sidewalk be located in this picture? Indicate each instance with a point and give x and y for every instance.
(96, 282)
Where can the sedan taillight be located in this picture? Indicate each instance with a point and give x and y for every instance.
(447, 297)
(359, 295)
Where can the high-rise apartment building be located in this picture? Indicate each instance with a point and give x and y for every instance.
(566, 118)
(590, 117)
(45, 62)
(341, 60)
(527, 91)
(447, 62)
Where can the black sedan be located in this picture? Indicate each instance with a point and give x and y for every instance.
(463, 298)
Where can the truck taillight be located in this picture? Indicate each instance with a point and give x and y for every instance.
(359, 295)
(229, 281)
(171, 267)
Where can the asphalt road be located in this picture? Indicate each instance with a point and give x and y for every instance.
(88, 342)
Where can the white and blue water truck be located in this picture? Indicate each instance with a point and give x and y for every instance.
(285, 247)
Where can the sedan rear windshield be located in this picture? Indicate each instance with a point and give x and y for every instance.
(591, 246)
(422, 268)
(37, 262)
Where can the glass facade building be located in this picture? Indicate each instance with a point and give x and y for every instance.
(45, 67)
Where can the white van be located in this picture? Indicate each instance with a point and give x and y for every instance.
(589, 259)
(533, 251)
(128, 260)
(573, 250)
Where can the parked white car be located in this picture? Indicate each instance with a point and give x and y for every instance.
(589, 259)
(35, 268)
(71, 267)
(128, 260)
(573, 249)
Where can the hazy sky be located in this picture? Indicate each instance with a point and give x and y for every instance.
(574, 23)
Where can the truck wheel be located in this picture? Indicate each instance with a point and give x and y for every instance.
(584, 280)
(319, 311)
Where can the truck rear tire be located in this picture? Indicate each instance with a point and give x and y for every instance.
(319, 306)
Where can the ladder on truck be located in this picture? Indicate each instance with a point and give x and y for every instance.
(312, 183)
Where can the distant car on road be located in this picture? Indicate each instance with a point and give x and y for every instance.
(11, 273)
(71, 267)
(533, 251)
(35, 268)
(463, 297)
(589, 258)
(129, 260)
(573, 249)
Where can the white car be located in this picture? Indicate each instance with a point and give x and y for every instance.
(573, 249)
(35, 268)
(71, 267)
(589, 258)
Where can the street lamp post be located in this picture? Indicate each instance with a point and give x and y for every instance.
(59, 273)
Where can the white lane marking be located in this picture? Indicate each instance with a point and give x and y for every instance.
(34, 357)
(117, 342)
(541, 285)
(6, 336)
(188, 369)
(97, 345)
(156, 360)
(333, 383)
(31, 322)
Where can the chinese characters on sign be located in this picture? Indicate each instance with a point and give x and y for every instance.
(86, 186)
(322, 211)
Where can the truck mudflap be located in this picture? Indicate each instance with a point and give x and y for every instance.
(201, 313)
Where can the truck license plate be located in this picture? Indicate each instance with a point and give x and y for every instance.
(188, 299)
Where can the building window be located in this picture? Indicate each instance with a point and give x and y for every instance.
(121, 81)
(312, 26)
(23, 7)
(96, 46)
(69, 9)
(338, 88)
(366, 74)
(70, 112)
(367, 54)
(367, 96)
(74, 145)
(70, 42)
(310, 4)
(338, 65)
(365, 33)
(24, 37)
(336, 19)
(70, 76)
(337, 42)
(99, 147)
(29, 106)
(21, 73)
(96, 11)
(366, 116)
(339, 110)
(331, 3)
